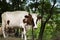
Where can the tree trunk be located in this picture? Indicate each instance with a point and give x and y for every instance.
(41, 31)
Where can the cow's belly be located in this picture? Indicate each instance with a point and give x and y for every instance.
(15, 22)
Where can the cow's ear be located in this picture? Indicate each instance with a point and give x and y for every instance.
(26, 16)
(39, 17)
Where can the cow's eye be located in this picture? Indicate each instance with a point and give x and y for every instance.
(39, 17)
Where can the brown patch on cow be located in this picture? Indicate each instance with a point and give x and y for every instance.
(8, 22)
(26, 16)
(29, 20)
(24, 21)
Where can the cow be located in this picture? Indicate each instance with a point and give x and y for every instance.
(21, 19)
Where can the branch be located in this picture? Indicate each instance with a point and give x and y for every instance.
(43, 24)
(51, 12)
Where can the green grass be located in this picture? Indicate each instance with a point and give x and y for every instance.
(9, 38)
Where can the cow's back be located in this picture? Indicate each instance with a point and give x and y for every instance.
(15, 18)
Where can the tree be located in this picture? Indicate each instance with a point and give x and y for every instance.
(43, 23)
(18, 4)
(3, 7)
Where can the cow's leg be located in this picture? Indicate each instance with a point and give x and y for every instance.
(22, 35)
(3, 32)
(21, 32)
(25, 38)
(3, 28)
(24, 31)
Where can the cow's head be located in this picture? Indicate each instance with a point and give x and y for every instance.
(31, 19)
(36, 19)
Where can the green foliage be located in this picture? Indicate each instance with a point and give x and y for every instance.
(36, 31)
(56, 33)
(52, 29)
(48, 32)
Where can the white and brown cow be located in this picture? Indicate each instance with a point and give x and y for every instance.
(21, 19)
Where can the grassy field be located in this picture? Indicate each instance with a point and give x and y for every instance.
(14, 38)
(10, 38)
